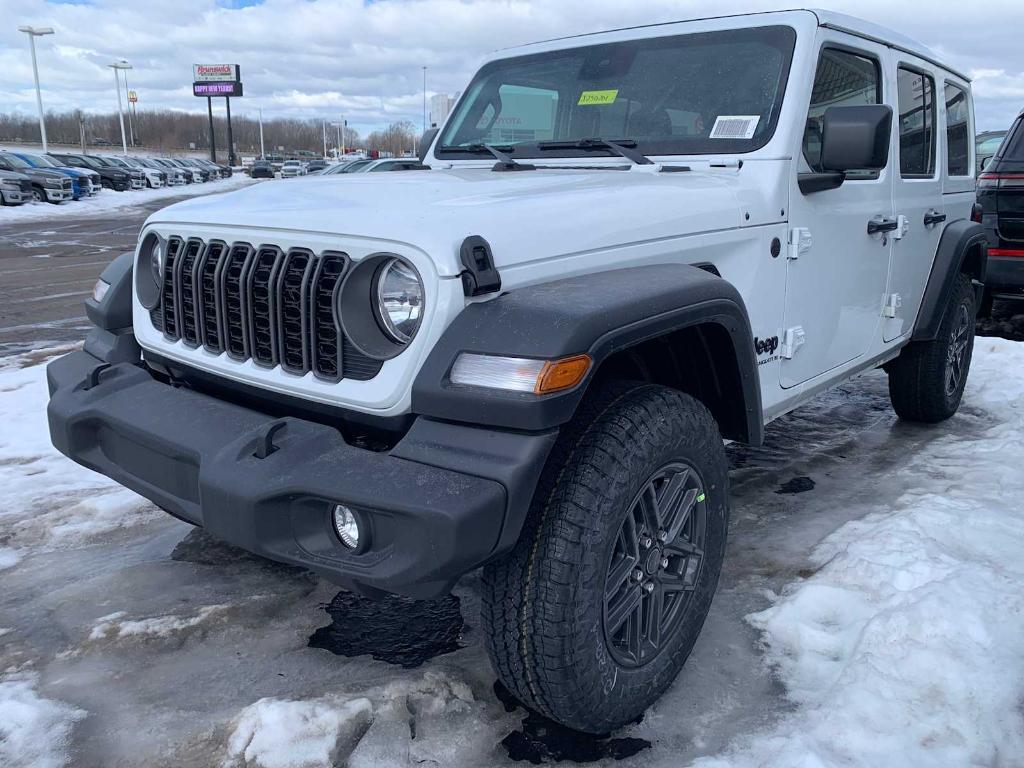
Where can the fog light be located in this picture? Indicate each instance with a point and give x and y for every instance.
(346, 526)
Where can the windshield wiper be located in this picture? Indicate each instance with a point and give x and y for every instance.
(621, 147)
(505, 163)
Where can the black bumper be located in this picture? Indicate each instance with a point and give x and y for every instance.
(441, 502)
(1005, 274)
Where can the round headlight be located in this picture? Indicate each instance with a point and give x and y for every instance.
(399, 300)
(156, 260)
(149, 271)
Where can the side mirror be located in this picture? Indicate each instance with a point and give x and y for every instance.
(425, 141)
(852, 139)
(983, 163)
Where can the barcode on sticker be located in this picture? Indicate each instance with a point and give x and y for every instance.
(734, 126)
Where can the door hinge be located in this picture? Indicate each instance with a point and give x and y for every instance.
(893, 302)
(792, 340)
(800, 242)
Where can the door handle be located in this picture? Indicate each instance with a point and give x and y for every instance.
(882, 224)
(933, 217)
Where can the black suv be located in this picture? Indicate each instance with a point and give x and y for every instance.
(110, 176)
(1001, 195)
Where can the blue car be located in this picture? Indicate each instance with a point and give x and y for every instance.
(81, 181)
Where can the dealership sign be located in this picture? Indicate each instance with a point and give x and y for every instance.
(213, 73)
(231, 88)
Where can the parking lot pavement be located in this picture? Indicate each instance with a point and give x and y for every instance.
(47, 270)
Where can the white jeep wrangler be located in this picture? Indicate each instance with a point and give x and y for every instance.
(631, 246)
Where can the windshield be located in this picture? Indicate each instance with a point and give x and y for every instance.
(703, 93)
(988, 147)
(95, 162)
(40, 161)
(16, 162)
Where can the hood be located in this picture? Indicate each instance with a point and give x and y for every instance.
(12, 176)
(44, 173)
(525, 215)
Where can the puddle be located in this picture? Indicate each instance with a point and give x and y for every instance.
(540, 740)
(394, 629)
(796, 485)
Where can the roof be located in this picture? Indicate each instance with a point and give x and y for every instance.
(830, 19)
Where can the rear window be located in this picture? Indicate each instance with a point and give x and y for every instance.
(916, 123)
(957, 139)
(1012, 147)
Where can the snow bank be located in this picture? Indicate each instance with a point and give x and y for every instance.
(904, 648)
(432, 719)
(34, 731)
(49, 501)
(108, 200)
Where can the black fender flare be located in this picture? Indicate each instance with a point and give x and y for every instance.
(598, 314)
(958, 238)
(115, 311)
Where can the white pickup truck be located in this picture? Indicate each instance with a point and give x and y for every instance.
(630, 247)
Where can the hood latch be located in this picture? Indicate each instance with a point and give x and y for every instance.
(480, 275)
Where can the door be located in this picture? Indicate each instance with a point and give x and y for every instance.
(834, 287)
(917, 194)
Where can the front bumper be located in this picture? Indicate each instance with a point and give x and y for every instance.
(1005, 274)
(138, 183)
(13, 196)
(441, 502)
(55, 195)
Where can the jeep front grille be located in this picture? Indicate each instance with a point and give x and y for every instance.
(274, 307)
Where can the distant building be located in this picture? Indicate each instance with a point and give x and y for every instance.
(440, 105)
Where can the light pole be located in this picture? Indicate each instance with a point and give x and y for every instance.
(424, 99)
(122, 64)
(33, 33)
(338, 150)
(263, 154)
(131, 128)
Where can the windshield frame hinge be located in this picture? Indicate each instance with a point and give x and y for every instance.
(480, 276)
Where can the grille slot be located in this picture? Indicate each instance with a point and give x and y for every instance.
(274, 307)
(209, 296)
(232, 283)
(185, 277)
(261, 284)
(293, 310)
(327, 348)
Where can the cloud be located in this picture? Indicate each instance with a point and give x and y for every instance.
(321, 58)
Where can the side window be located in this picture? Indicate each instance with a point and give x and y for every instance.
(842, 79)
(917, 123)
(958, 154)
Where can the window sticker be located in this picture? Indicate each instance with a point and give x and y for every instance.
(734, 126)
(593, 98)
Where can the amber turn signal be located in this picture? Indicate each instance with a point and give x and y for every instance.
(566, 373)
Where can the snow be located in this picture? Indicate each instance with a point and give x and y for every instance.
(108, 200)
(49, 501)
(872, 621)
(34, 732)
(115, 624)
(297, 734)
(904, 647)
(430, 718)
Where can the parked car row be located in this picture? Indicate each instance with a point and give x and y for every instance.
(56, 177)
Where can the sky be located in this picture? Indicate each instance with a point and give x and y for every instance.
(364, 60)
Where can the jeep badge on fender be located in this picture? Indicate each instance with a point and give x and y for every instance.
(525, 360)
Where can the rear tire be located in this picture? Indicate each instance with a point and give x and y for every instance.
(926, 382)
(553, 607)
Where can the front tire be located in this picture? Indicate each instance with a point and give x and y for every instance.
(926, 382)
(591, 616)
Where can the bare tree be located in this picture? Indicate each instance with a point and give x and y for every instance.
(170, 131)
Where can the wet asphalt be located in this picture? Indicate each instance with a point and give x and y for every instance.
(48, 269)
